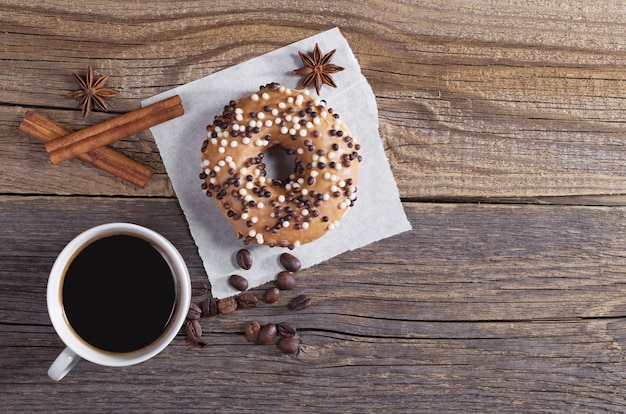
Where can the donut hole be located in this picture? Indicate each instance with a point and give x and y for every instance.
(279, 163)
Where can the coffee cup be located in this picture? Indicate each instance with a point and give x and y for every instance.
(117, 295)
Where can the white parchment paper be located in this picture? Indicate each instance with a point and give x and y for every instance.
(377, 213)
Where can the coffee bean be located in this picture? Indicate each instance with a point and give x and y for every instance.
(252, 331)
(227, 305)
(271, 295)
(193, 330)
(247, 301)
(285, 281)
(267, 334)
(290, 262)
(199, 288)
(209, 307)
(300, 302)
(194, 312)
(238, 282)
(286, 330)
(289, 345)
(244, 259)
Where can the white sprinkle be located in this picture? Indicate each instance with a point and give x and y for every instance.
(296, 243)
(262, 180)
(248, 197)
(305, 212)
(238, 111)
(257, 172)
(284, 130)
(254, 219)
(221, 150)
(317, 121)
(290, 99)
(252, 123)
(292, 131)
(323, 114)
(243, 170)
(260, 204)
(205, 163)
(218, 129)
(212, 180)
(352, 196)
(214, 141)
(272, 214)
(258, 143)
(331, 155)
(322, 159)
(333, 177)
(288, 118)
(341, 183)
(277, 121)
(305, 225)
(259, 238)
(303, 133)
(326, 176)
(245, 141)
(334, 188)
(249, 185)
(285, 223)
(295, 119)
(274, 111)
(297, 126)
(225, 134)
(342, 205)
(281, 198)
(254, 97)
(288, 186)
(221, 163)
(282, 89)
(309, 124)
(244, 216)
(228, 158)
(233, 144)
(207, 171)
(243, 191)
(282, 105)
(304, 191)
(252, 233)
(265, 96)
(331, 226)
(216, 168)
(269, 123)
(300, 180)
(314, 174)
(315, 157)
(300, 151)
(239, 117)
(260, 115)
(232, 164)
(326, 197)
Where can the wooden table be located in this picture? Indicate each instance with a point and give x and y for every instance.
(504, 125)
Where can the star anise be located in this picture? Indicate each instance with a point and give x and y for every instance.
(317, 69)
(91, 93)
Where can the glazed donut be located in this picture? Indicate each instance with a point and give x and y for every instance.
(270, 210)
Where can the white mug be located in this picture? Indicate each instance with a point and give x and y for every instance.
(76, 346)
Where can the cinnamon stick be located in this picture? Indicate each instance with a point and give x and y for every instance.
(104, 158)
(113, 129)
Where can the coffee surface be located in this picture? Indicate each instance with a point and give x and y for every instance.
(119, 294)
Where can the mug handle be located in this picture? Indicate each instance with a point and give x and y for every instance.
(63, 364)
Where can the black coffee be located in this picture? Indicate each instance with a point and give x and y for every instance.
(119, 293)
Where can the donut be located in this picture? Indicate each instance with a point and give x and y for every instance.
(280, 211)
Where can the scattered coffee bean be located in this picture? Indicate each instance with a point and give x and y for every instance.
(238, 282)
(194, 312)
(290, 262)
(252, 331)
(267, 334)
(289, 345)
(199, 288)
(286, 330)
(244, 259)
(285, 281)
(300, 302)
(193, 330)
(271, 294)
(227, 305)
(209, 307)
(247, 300)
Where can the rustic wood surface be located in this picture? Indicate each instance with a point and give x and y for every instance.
(504, 125)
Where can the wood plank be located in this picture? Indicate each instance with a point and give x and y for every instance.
(475, 99)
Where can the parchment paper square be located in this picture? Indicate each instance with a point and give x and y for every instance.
(377, 213)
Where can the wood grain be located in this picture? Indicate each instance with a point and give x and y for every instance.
(503, 124)
(503, 307)
(476, 99)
